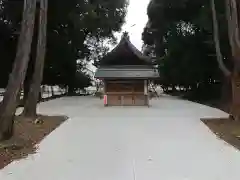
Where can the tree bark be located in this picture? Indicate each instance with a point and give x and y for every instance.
(26, 86)
(32, 60)
(30, 109)
(235, 15)
(226, 94)
(235, 110)
(233, 31)
(226, 89)
(52, 91)
(229, 20)
(9, 104)
(221, 64)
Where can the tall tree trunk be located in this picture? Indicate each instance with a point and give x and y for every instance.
(35, 87)
(9, 104)
(233, 32)
(221, 64)
(40, 95)
(52, 91)
(226, 93)
(235, 15)
(32, 60)
(226, 90)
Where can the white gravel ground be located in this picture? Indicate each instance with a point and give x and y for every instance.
(164, 142)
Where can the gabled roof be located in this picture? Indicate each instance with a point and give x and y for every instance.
(124, 47)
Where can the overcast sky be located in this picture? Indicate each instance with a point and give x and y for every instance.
(137, 14)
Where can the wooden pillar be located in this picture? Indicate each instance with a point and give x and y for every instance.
(104, 87)
(146, 92)
(145, 88)
(105, 91)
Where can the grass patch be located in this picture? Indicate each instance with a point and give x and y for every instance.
(27, 134)
(226, 129)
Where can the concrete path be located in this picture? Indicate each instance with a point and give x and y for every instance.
(165, 142)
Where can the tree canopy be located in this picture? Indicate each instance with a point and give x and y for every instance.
(76, 29)
(179, 35)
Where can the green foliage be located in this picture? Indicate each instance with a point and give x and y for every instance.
(180, 35)
(76, 30)
(82, 80)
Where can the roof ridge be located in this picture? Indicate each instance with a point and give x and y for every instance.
(126, 43)
(136, 51)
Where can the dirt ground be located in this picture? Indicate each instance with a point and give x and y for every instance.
(226, 129)
(27, 134)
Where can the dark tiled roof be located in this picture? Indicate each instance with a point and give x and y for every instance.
(122, 49)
